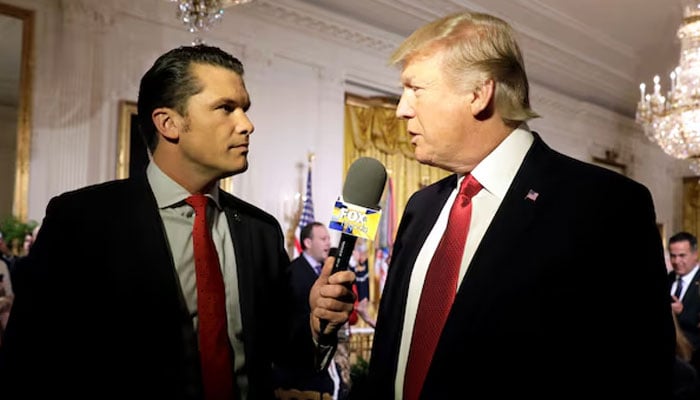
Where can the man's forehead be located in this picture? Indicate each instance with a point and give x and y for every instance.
(220, 83)
(682, 247)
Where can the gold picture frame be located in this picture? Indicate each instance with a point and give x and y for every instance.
(25, 58)
(662, 233)
(127, 114)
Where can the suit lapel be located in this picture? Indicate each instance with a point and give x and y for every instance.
(309, 272)
(152, 232)
(508, 228)
(414, 229)
(694, 286)
(240, 236)
(515, 214)
(146, 245)
(416, 223)
(239, 226)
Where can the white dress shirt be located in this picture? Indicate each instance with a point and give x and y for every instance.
(495, 174)
(687, 280)
(178, 220)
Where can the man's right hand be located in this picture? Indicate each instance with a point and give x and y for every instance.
(331, 299)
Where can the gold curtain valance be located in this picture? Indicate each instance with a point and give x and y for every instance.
(372, 122)
(373, 130)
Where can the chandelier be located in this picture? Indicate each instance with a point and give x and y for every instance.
(673, 121)
(200, 15)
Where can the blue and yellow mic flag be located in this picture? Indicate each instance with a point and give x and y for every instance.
(355, 220)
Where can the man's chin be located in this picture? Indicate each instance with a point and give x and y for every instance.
(239, 169)
(424, 160)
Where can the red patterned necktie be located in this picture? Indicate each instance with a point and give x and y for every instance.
(214, 347)
(439, 289)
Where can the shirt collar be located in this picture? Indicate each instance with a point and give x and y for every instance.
(312, 261)
(169, 193)
(496, 172)
(689, 276)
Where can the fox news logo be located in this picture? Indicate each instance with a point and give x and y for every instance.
(355, 220)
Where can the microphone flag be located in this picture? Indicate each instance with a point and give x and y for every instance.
(355, 220)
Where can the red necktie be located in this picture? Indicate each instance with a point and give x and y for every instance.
(214, 347)
(439, 289)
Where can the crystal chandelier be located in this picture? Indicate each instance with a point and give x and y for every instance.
(673, 121)
(200, 15)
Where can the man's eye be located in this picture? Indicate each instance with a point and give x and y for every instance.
(228, 108)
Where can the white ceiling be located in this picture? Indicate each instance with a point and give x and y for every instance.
(595, 50)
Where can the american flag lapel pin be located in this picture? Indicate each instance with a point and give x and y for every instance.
(531, 195)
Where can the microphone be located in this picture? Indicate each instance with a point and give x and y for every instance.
(363, 188)
(364, 185)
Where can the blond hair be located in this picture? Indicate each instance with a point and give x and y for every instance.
(477, 47)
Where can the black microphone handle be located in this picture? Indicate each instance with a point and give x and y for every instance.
(342, 261)
(345, 248)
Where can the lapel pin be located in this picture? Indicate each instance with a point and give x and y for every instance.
(531, 195)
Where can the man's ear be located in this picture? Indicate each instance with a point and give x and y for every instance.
(307, 243)
(167, 122)
(483, 96)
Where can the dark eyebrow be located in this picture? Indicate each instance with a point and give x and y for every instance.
(233, 103)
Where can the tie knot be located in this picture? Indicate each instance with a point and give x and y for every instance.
(470, 186)
(197, 201)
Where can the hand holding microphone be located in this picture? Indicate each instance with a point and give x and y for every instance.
(331, 298)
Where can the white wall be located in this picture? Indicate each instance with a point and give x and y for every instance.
(90, 54)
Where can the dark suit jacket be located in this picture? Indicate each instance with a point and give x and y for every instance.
(689, 318)
(566, 295)
(302, 277)
(101, 313)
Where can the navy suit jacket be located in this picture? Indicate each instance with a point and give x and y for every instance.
(302, 277)
(101, 313)
(565, 295)
(689, 318)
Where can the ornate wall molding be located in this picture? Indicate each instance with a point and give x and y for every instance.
(329, 26)
(582, 62)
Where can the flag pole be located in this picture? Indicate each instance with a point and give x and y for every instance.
(305, 212)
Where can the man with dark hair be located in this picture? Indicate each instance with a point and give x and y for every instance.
(511, 278)
(684, 282)
(179, 290)
(315, 245)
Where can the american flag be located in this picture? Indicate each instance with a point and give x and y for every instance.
(532, 195)
(385, 235)
(307, 213)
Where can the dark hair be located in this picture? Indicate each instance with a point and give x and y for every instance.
(307, 232)
(684, 237)
(170, 83)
